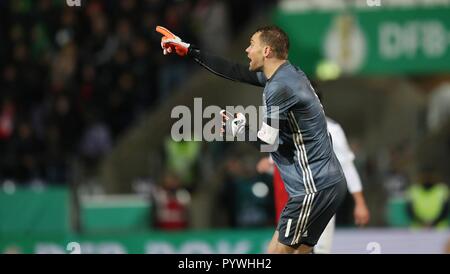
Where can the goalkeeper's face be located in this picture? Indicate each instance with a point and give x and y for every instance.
(255, 52)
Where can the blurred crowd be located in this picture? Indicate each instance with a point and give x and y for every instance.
(73, 79)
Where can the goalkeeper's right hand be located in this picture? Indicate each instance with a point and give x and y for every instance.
(170, 42)
(234, 126)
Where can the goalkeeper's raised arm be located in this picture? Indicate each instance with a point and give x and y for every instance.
(170, 43)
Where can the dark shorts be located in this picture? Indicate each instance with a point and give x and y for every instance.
(304, 218)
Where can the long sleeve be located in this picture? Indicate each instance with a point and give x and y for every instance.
(227, 69)
(345, 156)
(352, 177)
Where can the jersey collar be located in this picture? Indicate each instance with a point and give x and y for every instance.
(285, 64)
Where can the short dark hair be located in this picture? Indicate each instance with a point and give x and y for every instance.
(276, 38)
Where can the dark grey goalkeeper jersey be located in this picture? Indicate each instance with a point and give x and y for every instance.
(305, 156)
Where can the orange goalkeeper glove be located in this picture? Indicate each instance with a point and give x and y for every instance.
(170, 42)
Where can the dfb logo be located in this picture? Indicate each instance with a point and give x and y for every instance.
(72, 3)
(373, 3)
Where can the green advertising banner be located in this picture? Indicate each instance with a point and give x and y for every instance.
(31, 211)
(189, 242)
(413, 40)
(25, 211)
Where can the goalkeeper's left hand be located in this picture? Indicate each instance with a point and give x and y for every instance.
(234, 124)
(172, 43)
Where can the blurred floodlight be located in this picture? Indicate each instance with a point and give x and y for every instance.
(327, 70)
(9, 187)
(260, 190)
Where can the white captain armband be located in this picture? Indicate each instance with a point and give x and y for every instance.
(268, 134)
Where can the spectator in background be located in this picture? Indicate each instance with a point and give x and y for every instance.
(438, 107)
(99, 46)
(145, 88)
(396, 179)
(28, 150)
(119, 111)
(55, 157)
(67, 119)
(212, 20)
(63, 68)
(182, 159)
(428, 203)
(96, 141)
(170, 204)
(7, 117)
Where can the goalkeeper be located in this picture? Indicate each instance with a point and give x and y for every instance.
(294, 123)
